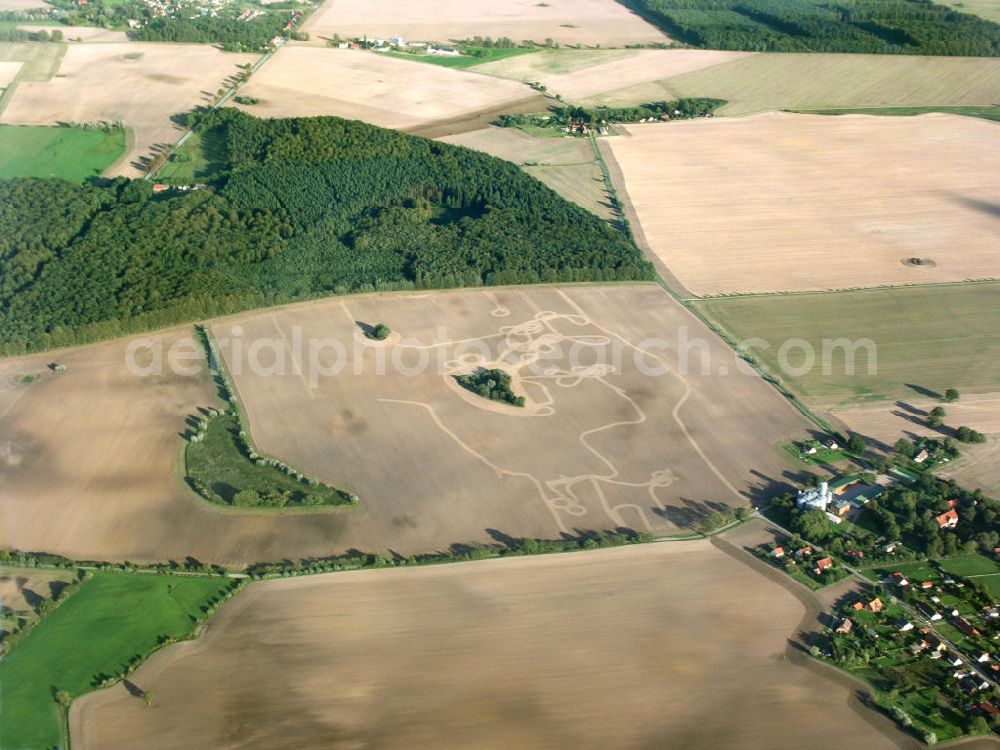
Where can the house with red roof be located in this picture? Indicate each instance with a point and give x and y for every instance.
(947, 520)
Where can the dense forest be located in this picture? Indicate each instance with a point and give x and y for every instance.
(918, 27)
(302, 207)
(233, 35)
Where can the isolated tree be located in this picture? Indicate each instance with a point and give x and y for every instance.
(951, 395)
(934, 422)
(856, 444)
(380, 332)
(938, 411)
(63, 699)
(147, 696)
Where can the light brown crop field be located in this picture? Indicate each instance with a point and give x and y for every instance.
(8, 72)
(606, 440)
(907, 417)
(642, 67)
(978, 467)
(773, 81)
(142, 84)
(567, 165)
(665, 645)
(300, 81)
(783, 202)
(587, 22)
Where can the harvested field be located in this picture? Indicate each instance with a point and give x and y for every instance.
(566, 165)
(546, 62)
(642, 66)
(142, 84)
(395, 659)
(907, 417)
(978, 467)
(8, 72)
(300, 81)
(783, 202)
(817, 81)
(624, 446)
(586, 22)
(925, 340)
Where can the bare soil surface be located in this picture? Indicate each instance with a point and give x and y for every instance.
(674, 644)
(783, 202)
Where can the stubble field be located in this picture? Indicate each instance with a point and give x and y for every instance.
(576, 75)
(782, 202)
(301, 81)
(90, 454)
(773, 81)
(142, 84)
(654, 639)
(587, 22)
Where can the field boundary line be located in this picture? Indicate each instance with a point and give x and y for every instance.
(846, 290)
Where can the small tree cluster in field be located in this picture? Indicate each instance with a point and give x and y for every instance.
(379, 332)
(493, 385)
(968, 435)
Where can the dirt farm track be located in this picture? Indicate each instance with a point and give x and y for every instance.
(501, 653)
(90, 457)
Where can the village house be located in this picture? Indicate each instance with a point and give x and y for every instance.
(948, 520)
(778, 552)
(875, 605)
(845, 627)
(966, 627)
(825, 564)
(921, 457)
